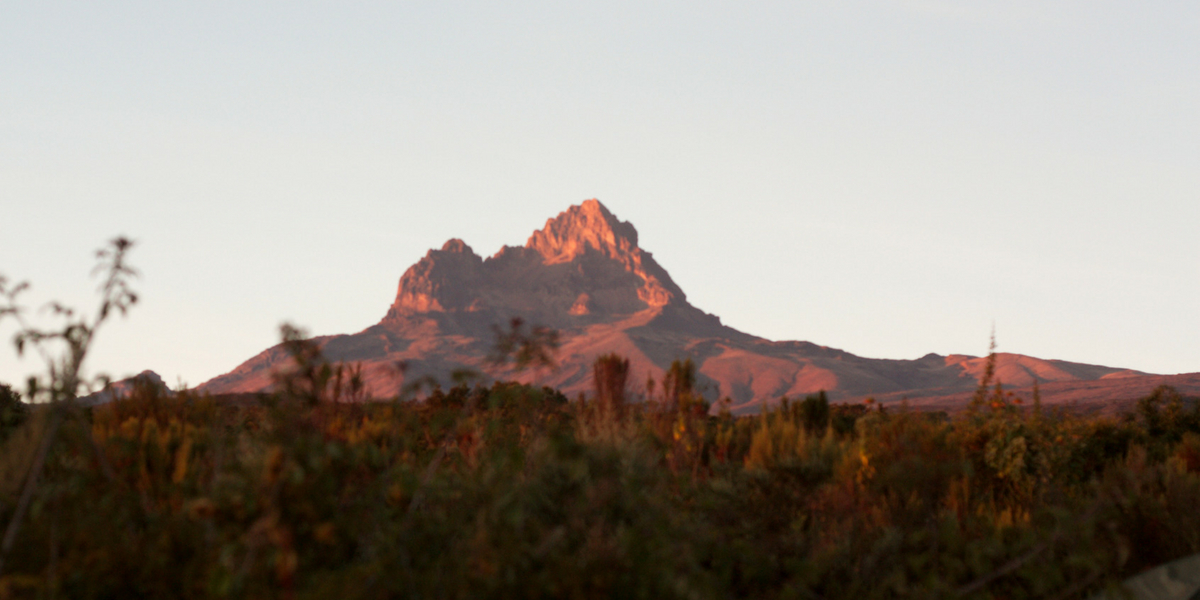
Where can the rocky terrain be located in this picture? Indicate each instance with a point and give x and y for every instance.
(584, 275)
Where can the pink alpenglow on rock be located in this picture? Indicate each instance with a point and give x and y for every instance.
(584, 275)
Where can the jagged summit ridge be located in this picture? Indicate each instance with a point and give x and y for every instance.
(579, 228)
(590, 226)
(584, 262)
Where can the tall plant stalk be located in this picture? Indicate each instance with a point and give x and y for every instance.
(64, 374)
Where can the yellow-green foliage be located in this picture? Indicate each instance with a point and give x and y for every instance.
(782, 442)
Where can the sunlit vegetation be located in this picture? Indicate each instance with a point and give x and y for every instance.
(510, 490)
(514, 491)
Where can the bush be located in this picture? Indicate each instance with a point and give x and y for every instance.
(13, 412)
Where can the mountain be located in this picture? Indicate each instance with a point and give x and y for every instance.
(584, 275)
(124, 387)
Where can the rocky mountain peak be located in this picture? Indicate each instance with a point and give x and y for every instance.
(584, 263)
(574, 231)
(591, 228)
(584, 275)
(443, 279)
(457, 245)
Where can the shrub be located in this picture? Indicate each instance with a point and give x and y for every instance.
(13, 412)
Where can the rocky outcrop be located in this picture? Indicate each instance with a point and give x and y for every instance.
(590, 227)
(125, 387)
(584, 274)
(446, 279)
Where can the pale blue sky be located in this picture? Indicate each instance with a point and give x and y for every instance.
(885, 177)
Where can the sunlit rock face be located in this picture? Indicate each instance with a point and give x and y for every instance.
(584, 275)
(444, 279)
(584, 263)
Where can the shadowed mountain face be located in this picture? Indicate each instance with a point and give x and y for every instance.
(584, 275)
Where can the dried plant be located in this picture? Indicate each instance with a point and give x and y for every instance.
(64, 350)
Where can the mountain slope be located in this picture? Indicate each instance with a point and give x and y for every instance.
(584, 275)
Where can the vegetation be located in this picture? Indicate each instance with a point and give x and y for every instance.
(13, 412)
(510, 490)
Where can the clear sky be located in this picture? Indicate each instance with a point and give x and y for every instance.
(890, 178)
